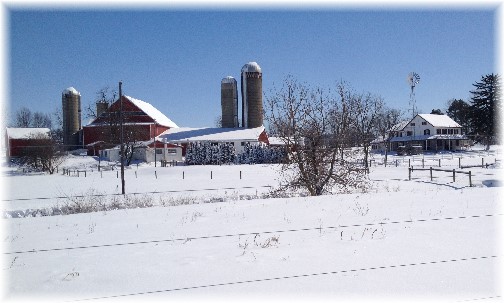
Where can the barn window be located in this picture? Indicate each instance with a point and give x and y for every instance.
(426, 132)
(159, 151)
(445, 131)
(450, 131)
(438, 131)
(171, 151)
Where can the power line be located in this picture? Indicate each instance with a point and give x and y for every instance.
(320, 228)
(288, 277)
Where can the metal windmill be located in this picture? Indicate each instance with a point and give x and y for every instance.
(413, 79)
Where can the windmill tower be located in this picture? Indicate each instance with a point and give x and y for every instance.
(413, 79)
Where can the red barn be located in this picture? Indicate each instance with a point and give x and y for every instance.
(142, 122)
(20, 138)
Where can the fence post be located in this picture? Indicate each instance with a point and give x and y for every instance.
(409, 162)
(211, 175)
(183, 175)
(396, 163)
(460, 166)
(136, 174)
(85, 174)
(470, 179)
(423, 163)
(409, 173)
(240, 174)
(117, 174)
(439, 162)
(78, 174)
(430, 173)
(454, 175)
(155, 173)
(101, 174)
(482, 159)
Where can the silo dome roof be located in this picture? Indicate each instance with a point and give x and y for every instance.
(251, 67)
(71, 90)
(228, 79)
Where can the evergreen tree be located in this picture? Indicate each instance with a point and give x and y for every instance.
(459, 111)
(485, 106)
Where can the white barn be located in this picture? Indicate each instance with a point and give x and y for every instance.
(238, 137)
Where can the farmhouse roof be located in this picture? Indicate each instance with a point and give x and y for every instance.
(439, 120)
(212, 134)
(153, 112)
(27, 133)
(399, 126)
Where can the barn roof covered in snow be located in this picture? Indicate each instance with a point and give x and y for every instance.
(27, 133)
(211, 134)
(153, 112)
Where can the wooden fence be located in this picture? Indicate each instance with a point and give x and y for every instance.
(453, 171)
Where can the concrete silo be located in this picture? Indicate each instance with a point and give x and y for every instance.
(251, 87)
(71, 117)
(229, 102)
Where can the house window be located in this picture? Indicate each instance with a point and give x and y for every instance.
(445, 131)
(409, 133)
(455, 131)
(424, 123)
(457, 143)
(426, 132)
(159, 151)
(242, 143)
(438, 131)
(171, 151)
(412, 124)
(450, 131)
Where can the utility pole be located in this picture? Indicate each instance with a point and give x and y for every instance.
(121, 116)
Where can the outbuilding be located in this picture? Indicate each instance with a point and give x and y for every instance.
(18, 139)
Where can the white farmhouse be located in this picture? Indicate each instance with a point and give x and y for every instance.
(431, 132)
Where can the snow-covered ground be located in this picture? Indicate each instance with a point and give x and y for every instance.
(402, 240)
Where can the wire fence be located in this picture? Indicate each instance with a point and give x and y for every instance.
(317, 228)
(304, 275)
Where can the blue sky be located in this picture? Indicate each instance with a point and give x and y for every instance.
(175, 58)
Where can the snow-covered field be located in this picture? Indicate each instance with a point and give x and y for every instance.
(402, 240)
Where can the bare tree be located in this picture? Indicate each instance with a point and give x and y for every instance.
(41, 120)
(23, 117)
(42, 154)
(104, 95)
(57, 126)
(387, 118)
(366, 109)
(134, 138)
(313, 124)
